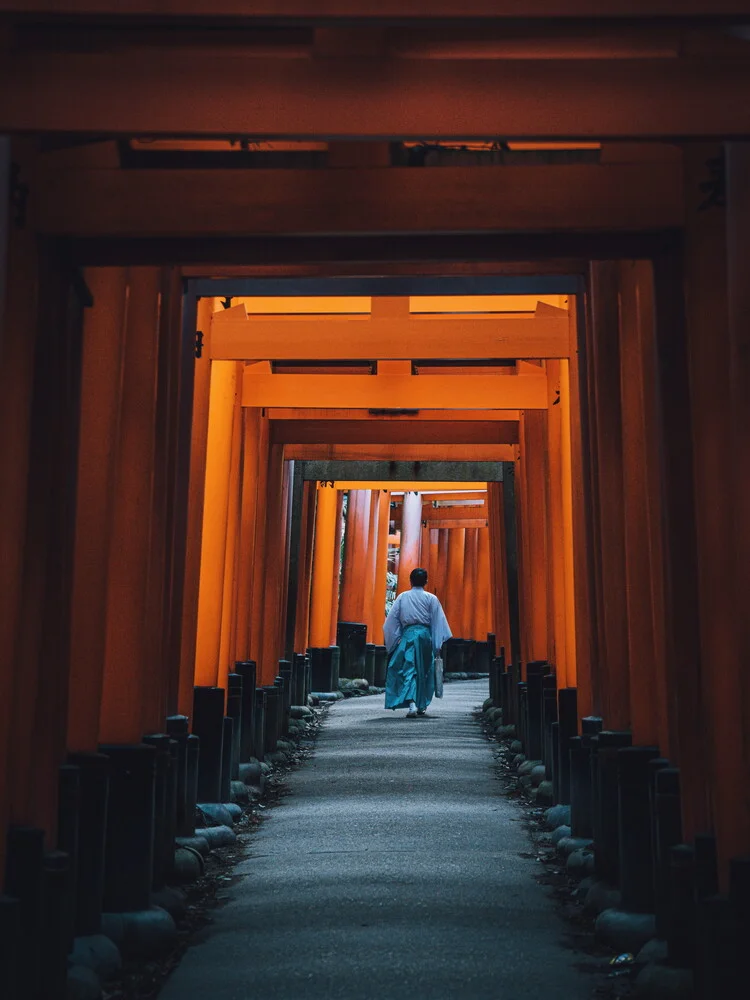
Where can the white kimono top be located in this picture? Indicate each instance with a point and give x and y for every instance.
(416, 607)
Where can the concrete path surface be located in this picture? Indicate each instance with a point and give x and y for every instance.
(391, 871)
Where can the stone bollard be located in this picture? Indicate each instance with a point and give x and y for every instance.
(89, 869)
(285, 672)
(163, 843)
(369, 673)
(605, 803)
(535, 672)
(667, 833)
(549, 715)
(177, 728)
(494, 693)
(567, 714)
(636, 858)
(555, 750)
(259, 724)
(706, 865)
(321, 669)
(280, 684)
(491, 646)
(681, 917)
(129, 859)
(248, 672)
(208, 726)
(272, 729)
(57, 925)
(482, 655)
(24, 880)
(523, 716)
(298, 673)
(10, 948)
(68, 829)
(234, 711)
(227, 745)
(381, 666)
(351, 638)
(579, 756)
(193, 753)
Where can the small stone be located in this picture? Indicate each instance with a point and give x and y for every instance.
(601, 897)
(655, 950)
(188, 864)
(664, 982)
(251, 773)
(143, 934)
(360, 683)
(265, 768)
(505, 732)
(301, 712)
(285, 746)
(624, 931)
(538, 775)
(487, 704)
(172, 900)
(495, 714)
(279, 757)
(234, 810)
(566, 846)
(516, 747)
(525, 782)
(197, 843)
(557, 816)
(518, 760)
(579, 864)
(545, 793)
(83, 984)
(219, 836)
(527, 767)
(96, 952)
(240, 792)
(213, 814)
(561, 833)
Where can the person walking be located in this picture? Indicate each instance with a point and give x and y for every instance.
(414, 631)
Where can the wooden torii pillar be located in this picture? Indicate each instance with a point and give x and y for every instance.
(411, 530)
(355, 556)
(324, 561)
(454, 584)
(381, 567)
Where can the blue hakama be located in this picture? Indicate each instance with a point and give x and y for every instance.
(415, 629)
(411, 670)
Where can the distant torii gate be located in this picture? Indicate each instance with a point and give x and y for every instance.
(426, 473)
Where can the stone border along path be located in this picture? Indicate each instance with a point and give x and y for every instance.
(393, 870)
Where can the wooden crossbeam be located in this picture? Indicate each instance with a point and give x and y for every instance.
(417, 391)
(402, 453)
(433, 514)
(384, 433)
(452, 522)
(222, 203)
(279, 413)
(418, 336)
(374, 10)
(167, 91)
(405, 485)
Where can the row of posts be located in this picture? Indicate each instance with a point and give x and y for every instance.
(626, 799)
(121, 812)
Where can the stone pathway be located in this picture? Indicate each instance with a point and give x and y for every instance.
(391, 871)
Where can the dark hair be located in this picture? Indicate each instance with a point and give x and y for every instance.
(418, 577)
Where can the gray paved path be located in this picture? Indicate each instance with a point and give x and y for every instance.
(392, 871)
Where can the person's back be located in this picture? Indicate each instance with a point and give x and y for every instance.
(416, 628)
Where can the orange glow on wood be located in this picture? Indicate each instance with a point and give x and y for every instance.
(454, 580)
(399, 391)
(125, 712)
(417, 336)
(323, 566)
(215, 520)
(411, 520)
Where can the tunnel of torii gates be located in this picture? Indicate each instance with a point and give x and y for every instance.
(250, 272)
